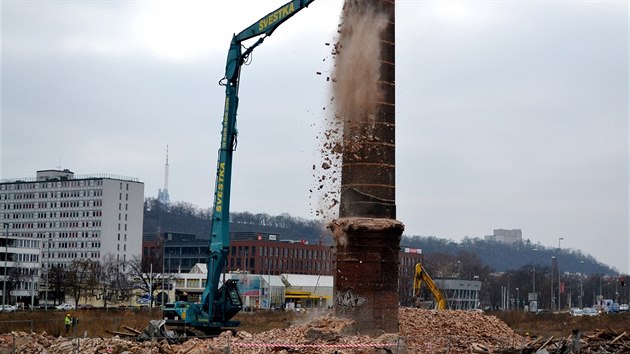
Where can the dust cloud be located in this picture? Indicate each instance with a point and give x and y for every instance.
(358, 62)
(355, 95)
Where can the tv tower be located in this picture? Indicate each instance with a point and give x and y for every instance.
(163, 196)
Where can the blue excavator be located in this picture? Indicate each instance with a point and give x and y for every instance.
(221, 300)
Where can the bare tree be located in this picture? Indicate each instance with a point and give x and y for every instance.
(57, 283)
(112, 281)
(80, 278)
(145, 276)
(16, 275)
(103, 274)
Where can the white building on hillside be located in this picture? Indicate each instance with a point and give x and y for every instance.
(506, 236)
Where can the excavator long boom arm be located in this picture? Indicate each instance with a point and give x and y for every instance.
(217, 303)
(422, 276)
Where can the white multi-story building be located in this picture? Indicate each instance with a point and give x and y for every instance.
(506, 236)
(72, 217)
(20, 265)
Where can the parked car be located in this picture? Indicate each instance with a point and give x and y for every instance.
(614, 308)
(588, 311)
(65, 307)
(623, 307)
(144, 299)
(7, 308)
(87, 307)
(576, 312)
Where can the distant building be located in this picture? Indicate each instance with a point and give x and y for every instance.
(262, 253)
(277, 257)
(66, 217)
(407, 260)
(256, 253)
(75, 217)
(506, 236)
(460, 294)
(182, 251)
(22, 258)
(286, 290)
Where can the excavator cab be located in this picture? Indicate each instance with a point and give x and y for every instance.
(228, 302)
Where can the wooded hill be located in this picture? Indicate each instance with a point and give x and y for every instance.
(186, 218)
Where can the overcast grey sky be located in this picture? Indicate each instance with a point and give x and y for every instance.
(510, 114)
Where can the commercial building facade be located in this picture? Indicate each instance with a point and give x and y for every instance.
(63, 217)
(277, 257)
(179, 252)
(264, 254)
(20, 266)
(259, 291)
(460, 294)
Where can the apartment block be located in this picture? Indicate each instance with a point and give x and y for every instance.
(73, 216)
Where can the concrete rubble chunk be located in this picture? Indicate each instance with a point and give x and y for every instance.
(157, 329)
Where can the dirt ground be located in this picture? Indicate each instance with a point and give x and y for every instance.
(421, 331)
(562, 325)
(97, 322)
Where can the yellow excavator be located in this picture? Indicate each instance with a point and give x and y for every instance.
(421, 276)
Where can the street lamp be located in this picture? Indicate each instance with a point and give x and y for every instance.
(534, 279)
(47, 253)
(244, 260)
(517, 300)
(5, 226)
(551, 299)
(581, 292)
(559, 239)
(534, 272)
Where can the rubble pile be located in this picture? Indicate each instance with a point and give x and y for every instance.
(430, 331)
(32, 343)
(421, 331)
(601, 341)
(325, 334)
